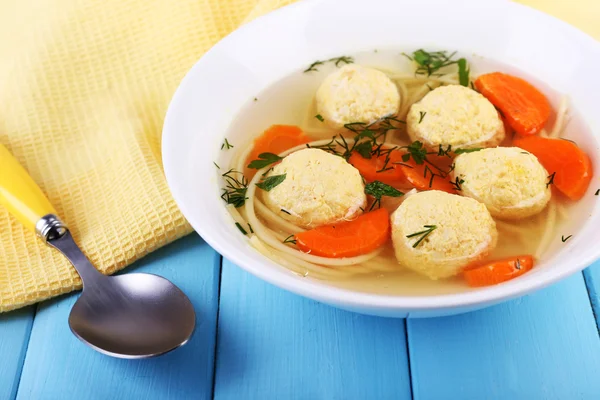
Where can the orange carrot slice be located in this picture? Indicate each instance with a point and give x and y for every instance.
(347, 239)
(568, 165)
(276, 139)
(419, 175)
(498, 271)
(376, 169)
(526, 109)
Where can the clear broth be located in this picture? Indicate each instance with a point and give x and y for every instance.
(291, 101)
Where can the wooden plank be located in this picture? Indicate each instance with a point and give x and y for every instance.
(542, 346)
(15, 328)
(58, 366)
(275, 345)
(592, 281)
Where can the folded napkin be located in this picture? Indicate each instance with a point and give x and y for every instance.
(84, 87)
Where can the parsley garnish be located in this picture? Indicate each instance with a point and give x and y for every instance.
(271, 182)
(423, 234)
(364, 149)
(378, 190)
(422, 115)
(240, 228)
(235, 188)
(265, 159)
(320, 117)
(416, 151)
(564, 239)
(550, 179)
(336, 60)
(226, 145)
(290, 239)
(463, 72)
(216, 165)
(461, 151)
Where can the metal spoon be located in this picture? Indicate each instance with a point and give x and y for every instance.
(127, 316)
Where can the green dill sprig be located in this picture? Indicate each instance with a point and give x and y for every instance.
(336, 60)
(239, 226)
(236, 186)
(422, 115)
(430, 63)
(423, 234)
(226, 145)
(290, 239)
(463, 72)
(550, 179)
(320, 117)
(564, 239)
(462, 151)
(378, 190)
(457, 184)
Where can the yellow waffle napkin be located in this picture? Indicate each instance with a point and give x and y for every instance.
(84, 87)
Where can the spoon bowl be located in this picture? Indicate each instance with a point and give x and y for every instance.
(133, 316)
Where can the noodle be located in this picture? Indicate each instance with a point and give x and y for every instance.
(561, 116)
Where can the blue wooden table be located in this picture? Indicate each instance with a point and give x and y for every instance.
(255, 341)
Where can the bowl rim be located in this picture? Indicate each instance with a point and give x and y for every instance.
(334, 295)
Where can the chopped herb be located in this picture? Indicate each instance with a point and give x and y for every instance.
(216, 165)
(265, 159)
(267, 171)
(240, 228)
(473, 87)
(362, 209)
(271, 182)
(235, 188)
(336, 60)
(597, 192)
(364, 149)
(442, 152)
(251, 230)
(564, 239)
(518, 264)
(313, 66)
(290, 239)
(463, 72)
(286, 211)
(461, 151)
(456, 184)
(422, 115)
(550, 179)
(404, 165)
(416, 151)
(427, 169)
(320, 117)
(341, 60)
(378, 190)
(424, 233)
(226, 145)
(524, 152)
(429, 63)
(256, 99)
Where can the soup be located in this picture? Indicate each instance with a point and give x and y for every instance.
(406, 174)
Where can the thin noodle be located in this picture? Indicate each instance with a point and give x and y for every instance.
(560, 118)
(548, 230)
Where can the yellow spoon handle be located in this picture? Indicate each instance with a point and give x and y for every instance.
(24, 199)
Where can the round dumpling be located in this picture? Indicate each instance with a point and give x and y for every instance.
(510, 181)
(437, 234)
(319, 189)
(455, 115)
(356, 94)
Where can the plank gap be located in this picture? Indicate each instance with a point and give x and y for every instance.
(408, 359)
(593, 295)
(26, 349)
(214, 377)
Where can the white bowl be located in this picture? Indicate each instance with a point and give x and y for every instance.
(258, 54)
